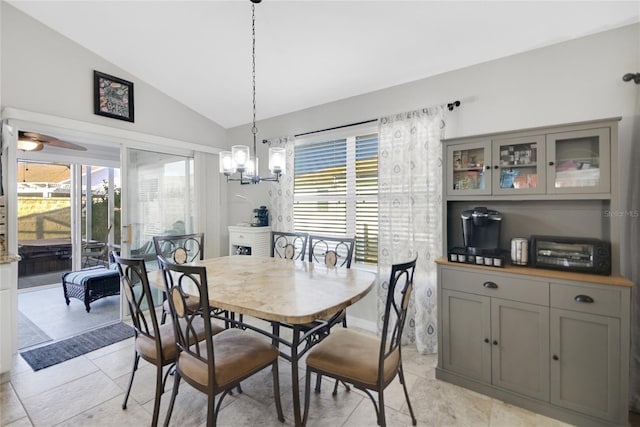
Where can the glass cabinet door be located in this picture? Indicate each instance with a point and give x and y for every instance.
(578, 162)
(516, 165)
(468, 168)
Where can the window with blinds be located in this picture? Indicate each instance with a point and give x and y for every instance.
(336, 191)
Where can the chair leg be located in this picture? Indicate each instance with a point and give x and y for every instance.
(382, 422)
(276, 390)
(307, 396)
(159, 390)
(136, 359)
(319, 383)
(212, 414)
(174, 393)
(406, 395)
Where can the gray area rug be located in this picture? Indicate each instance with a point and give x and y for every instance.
(52, 354)
(29, 334)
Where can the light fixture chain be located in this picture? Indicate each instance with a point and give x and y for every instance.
(254, 129)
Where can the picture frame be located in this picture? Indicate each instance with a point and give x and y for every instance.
(112, 97)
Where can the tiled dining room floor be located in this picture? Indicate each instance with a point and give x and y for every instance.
(88, 391)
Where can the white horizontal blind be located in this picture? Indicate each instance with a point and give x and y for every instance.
(336, 190)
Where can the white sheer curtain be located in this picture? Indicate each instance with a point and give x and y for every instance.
(410, 211)
(281, 193)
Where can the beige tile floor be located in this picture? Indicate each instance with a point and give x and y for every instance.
(88, 391)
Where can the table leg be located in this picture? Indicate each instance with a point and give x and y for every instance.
(294, 376)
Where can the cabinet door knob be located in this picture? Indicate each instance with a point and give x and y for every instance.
(551, 163)
(496, 167)
(495, 342)
(487, 167)
(490, 285)
(555, 357)
(583, 298)
(486, 340)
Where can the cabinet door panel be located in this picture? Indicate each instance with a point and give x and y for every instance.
(519, 165)
(586, 375)
(466, 326)
(520, 339)
(579, 162)
(468, 169)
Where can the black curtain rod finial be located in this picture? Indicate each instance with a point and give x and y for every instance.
(453, 105)
(632, 76)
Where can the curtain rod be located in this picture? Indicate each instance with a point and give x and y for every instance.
(336, 127)
(450, 106)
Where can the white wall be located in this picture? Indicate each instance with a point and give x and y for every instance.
(568, 82)
(44, 72)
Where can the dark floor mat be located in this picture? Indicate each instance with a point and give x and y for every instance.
(52, 354)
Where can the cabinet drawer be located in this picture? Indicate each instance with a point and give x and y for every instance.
(604, 300)
(240, 239)
(494, 285)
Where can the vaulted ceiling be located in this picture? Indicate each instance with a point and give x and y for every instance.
(310, 52)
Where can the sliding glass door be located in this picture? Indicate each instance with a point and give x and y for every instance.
(157, 199)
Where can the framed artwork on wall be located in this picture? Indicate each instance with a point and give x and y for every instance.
(112, 97)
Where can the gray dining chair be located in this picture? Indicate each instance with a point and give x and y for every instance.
(368, 363)
(288, 245)
(219, 363)
(155, 343)
(179, 248)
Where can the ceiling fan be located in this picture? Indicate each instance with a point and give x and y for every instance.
(31, 141)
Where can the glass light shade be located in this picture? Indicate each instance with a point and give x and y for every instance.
(240, 157)
(226, 163)
(252, 167)
(277, 160)
(28, 145)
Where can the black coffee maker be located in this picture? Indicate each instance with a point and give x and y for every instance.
(481, 231)
(260, 217)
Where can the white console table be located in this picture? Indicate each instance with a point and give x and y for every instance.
(247, 240)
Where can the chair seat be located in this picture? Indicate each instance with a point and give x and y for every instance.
(237, 354)
(353, 356)
(146, 346)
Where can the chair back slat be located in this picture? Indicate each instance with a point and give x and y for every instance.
(136, 287)
(396, 307)
(180, 248)
(331, 251)
(288, 245)
(179, 278)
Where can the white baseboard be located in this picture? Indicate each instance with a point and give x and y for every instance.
(367, 325)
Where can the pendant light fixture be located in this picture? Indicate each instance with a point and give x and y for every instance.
(239, 160)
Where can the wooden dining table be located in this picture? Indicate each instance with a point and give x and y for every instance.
(281, 291)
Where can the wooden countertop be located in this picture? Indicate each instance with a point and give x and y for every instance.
(614, 280)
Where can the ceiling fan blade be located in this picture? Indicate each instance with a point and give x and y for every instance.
(35, 136)
(46, 139)
(65, 144)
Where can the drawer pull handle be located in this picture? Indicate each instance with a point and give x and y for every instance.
(490, 285)
(583, 298)
(555, 357)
